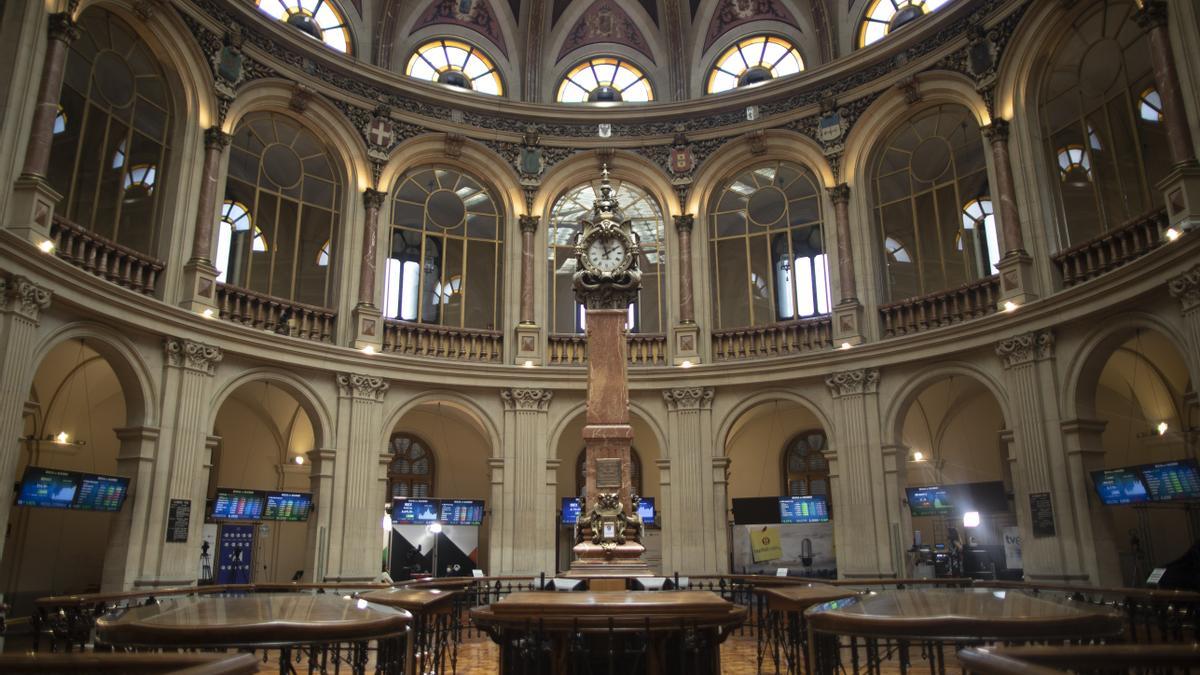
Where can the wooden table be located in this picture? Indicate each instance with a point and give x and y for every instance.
(436, 628)
(125, 664)
(631, 632)
(784, 628)
(936, 618)
(328, 629)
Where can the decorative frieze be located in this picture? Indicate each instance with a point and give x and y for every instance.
(526, 399)
(688, 398)
(20, 295)
(1186, 287)
(355, 385)
(194, 356)
(853, 382)
(1026, 348)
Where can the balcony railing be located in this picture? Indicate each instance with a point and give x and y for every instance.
(1111, 250)
(104, 258)
(756, 342)
(443, 342)
(914, 315)
(285, 317)
(644, 349)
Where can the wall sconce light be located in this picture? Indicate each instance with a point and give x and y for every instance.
(1161, 428)
(1172, 234)
(1010, 306)
(918, 456)
(368, 350)
(47, 246)
(686, 364)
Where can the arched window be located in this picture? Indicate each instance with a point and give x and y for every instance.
(752, 61)
(456, 63)
(605, 79)
(446, 262)
(884, 16)
(319, 19)
(410, 473)
(805, 469)
(1101, 119)
(282, 201)
(647, 315)
(111, 132)
(767, 247)
(931, 170)
(635, 472)
(979, 229)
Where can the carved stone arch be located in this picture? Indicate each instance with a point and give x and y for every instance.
(705, 59)
(475, 158)
(570, 414)
(899, 403)
(736, 154)
(487, 425)
(309, 399)
(623, 165)
(727, 422)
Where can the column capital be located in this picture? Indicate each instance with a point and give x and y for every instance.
(63, 28)
(1026, 348)
(526, 399)
(997, 131)
(373, 199)
(529, 223)
(1186, 287)
(364, 387)
(21, 296)
(853, 382)
(840, 193)
(1150, 13)
(688, 398)
(215, 139)
(190, 355)
(685, 222)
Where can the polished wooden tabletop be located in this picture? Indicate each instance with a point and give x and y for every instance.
(127, 664)
(950, 613)
(413, 599)
(628, 609)
(802, 596)
(262, 619)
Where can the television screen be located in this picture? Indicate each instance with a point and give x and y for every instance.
(810, 509)
(755, 510)
(646, 510)
(929, 501)
(291, 506)
(101, 493)
(987, 497)
(1172, 480)
(1120, 486)
(462, 512)
(414, 511)
(238, 505)
(48, 487)
(570, 511)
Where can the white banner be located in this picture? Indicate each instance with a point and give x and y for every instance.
(1012, 548)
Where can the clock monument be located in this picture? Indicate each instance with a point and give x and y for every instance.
(608, 536)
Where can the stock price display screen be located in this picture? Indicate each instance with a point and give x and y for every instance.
(929, 501)
(1119, 486)
(646, 510)
(414, 511)
(101, 493)
(293, 506)
(811, 509)
(239, 505)
(48, 488)
(462, 512)
(1172, 480)
(571, 511)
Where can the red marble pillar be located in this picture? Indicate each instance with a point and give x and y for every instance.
(41, 132)
(687, 301)
(1152, 17)
(1005, 198)
(373, 201)
(215, 142)
(529, 225)
(840, 194)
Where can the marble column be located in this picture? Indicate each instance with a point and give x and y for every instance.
(527, 537)
(862, 524)
(529, 343)
(687, 335)
(847, 314)
(694, 539)
(320, 479)
(1016, 265)
(357, 504)
(200, 271)
(368, 318)
(129, 533)
(21, 305)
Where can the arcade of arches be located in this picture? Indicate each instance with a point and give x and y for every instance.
(964, 255)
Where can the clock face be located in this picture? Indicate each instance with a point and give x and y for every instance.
(605, 254)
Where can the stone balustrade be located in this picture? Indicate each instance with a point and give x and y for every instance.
(462, 344)
(643, 349)
(104, 258)
(914, 315)
(755, 342)
(1112, 249)
(284, 317)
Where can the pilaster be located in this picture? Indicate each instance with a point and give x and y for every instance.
(1186, 289)
(368, 319)
(694, 534)
(200, 272)
(686, 343)
(527, 542)
(358, 499)
(130, 532)
(528, 334)
(320, 479)
(1097, 534)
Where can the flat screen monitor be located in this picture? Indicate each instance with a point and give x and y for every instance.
(289, 506)
(101, 493)
(1120, 486)
(48, 488)
(646, 510)
(414, 511)
(755, 510)
(809, 509)
(462, 512)
(239, 504)
(932, 500)
(1172, 480)
(570, 511)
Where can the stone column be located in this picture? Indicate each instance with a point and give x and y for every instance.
(368, 318)
(358, 500)
(129, 532)
(21, 306)
(200, 271)
(895, 479)
(687, 334)
(529, 343)
(694, 521)
(861, 518)
(34, 200)
(1016, 266)
(526, 540)
(847, 313)
(1039, 466)
(499, 546)
(1098, 537)
(321, 464)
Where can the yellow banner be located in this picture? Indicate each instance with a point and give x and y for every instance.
(765, 544)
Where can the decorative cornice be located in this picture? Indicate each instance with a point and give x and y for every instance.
(214, 138)
(529, 223)
(853, 382)
(685, 222)
(1186, 287)
(997, 131)
(526, 399)
(840, 194)
(366, 387)
(195, 356)
(373, 199)
(21, 296)
(688, 398)
(1026, 348)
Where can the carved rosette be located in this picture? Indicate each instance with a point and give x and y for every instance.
(853, 382)
(1026, 348)
(1186, 287)
(688, 398)
(366, 387)
(21, 296)
(194, 356)
(526, 399)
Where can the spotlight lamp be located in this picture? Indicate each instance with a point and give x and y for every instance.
(971, 519)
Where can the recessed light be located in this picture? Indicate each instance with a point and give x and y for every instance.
(686, 364)
(527, 364)
(368, 350)
(1172, 234)
(846, 345)
(1010, 306)
(47, 246)
(208, 313)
